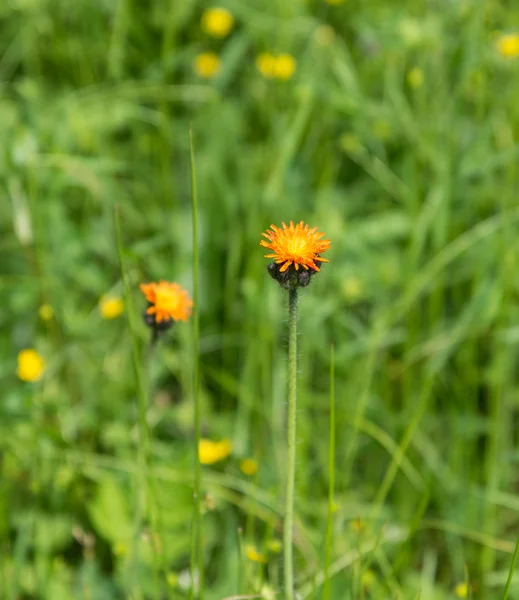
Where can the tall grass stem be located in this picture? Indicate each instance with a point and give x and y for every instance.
(512, 570)
(197, 548)
(142, 394)
(331, 478)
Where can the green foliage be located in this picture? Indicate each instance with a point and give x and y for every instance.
(397, 136)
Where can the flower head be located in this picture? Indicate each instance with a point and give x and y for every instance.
(248, 466)
(266, 64)
(274, 545)
(508, 45)
(30, 365)
(294, 247)
(285, 66)
(280, 67)
(167, 302)
(217, 22)
(207, 65)
(324, 35)
(253, 555)
(46, 312)
(210, 452)
(111, 307)
(415, 77)
(462, 590)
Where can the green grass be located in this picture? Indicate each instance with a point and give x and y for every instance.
(417, 189)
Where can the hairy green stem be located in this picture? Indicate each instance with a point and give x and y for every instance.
(331, 478)
(291, 446)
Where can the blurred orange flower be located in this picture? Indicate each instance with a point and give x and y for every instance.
(168, 301)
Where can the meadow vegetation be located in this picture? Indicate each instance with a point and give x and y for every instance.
(392, 127)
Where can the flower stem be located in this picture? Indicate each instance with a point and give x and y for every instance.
(291, 446)
(331, 479)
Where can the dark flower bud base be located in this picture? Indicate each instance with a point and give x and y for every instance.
(290, 279)
(156, 328)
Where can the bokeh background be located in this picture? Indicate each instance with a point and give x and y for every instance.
(392, 127)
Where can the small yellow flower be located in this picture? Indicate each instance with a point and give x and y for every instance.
(210, 452)
(172, 579)
(285, 67)
(111, 307)
(296, 245)
(368, 578)
(217, 22)
(381, 130)
(253, 555)
(120, 549)
(508, 45)
(352, 288)
(324, 35)
(207, 65)
(274, 545)
(266, 64)
(334, 2)
(462, 590)
(46, 312)
(167, 301)
(415, 77)
(249, 467)
(351, 143)
(30, 365)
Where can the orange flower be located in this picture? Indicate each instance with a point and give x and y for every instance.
(167, 301)
(296, 245)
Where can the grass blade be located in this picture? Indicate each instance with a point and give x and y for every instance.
(197, 549)
(511, 571)
(331, 478)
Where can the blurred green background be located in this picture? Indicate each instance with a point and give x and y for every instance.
(392, 127)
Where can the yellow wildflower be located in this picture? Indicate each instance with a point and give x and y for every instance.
(210, 452)
(508, 45)
(172, 579)
(281, 67)
(368, 578)
(266, 64)
(217, 22)
(324, 35)
(462, 590)
(381, 129)
(249, 467)
(285, 67)
(46, 312)
(120, 549)
(415, 77)
(274, 545)
(111, 307)
(352, 288)
(30, 365)
(253, 555)
(207, 64)
(351, 143)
